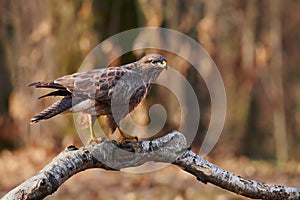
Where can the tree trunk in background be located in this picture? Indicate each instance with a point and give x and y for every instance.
(246, 76)
(276, 86)
(42, 40)
(23, 49)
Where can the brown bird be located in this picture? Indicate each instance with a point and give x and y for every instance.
(113, 92)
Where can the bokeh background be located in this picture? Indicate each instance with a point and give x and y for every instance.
(254, 43)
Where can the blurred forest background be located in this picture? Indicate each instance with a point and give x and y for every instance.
(255, 45)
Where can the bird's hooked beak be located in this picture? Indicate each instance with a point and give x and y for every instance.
(163, 64)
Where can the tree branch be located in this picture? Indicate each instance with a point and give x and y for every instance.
(109, 155)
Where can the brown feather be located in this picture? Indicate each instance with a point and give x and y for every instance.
(43, 84)
(55, 109)
(56, 93)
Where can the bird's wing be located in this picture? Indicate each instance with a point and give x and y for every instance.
(98, 84)
(81, 83)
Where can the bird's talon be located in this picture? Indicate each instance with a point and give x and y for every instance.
(94, 140)
(115, 142)
(130, 140)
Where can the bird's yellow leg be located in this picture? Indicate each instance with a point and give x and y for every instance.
(126, 137)
(93, 138)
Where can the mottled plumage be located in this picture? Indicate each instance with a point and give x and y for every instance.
(113, 91)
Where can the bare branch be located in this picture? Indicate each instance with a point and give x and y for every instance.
(207, 172)
(109, 155)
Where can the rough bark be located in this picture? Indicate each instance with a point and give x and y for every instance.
(171, 148)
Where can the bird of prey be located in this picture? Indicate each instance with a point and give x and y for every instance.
(113, 91)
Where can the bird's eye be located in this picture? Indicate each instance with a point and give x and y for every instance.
(163, 63)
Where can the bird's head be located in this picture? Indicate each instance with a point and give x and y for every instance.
(150, 66)
(154, 61)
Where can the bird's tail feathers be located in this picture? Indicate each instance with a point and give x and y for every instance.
(55, 109)
(56, 93)
(45, 84)
(61, 90)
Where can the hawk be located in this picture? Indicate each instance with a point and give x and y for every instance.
(113, 91)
